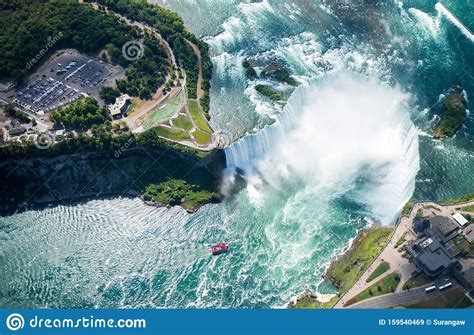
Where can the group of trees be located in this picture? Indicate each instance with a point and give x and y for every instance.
(32, 28)
(107, 139)
(109, 94)
(20, 116)
(81, 114)
(171, 27)
(267, 91)
(145, 74)
(178, 192)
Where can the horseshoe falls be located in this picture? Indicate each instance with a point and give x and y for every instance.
(343, 134)
(343, 149)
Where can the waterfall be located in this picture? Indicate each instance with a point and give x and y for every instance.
(344, 133)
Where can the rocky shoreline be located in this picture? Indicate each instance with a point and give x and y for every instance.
(39, 182)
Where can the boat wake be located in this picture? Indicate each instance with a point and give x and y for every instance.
(342, 134)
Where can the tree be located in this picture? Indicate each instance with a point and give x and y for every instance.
(109, 94)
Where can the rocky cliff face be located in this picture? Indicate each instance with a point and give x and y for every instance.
(65, 179)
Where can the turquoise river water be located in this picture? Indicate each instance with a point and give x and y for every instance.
(346, 150)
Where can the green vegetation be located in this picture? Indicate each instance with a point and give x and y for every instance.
(160, 114)
(19, 115)
(196, 114)
(281, 74)
(105, 140)
(455, 298)
(33, 29)
(407, 208)
(172, 134)
(464, 198)
(306, 302)
(345, 271)
(202, 137)
(453, 115)
(388, 284)
(145, 75)
(402, 240)
(468, 208)
(109, 94)
(382, 268)
(416, 281)
(178, 192)
(171, 27)
(81, 114)
(182, 121)
(267, 91)
(249, 70)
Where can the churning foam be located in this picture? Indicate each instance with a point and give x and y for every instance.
(451, 17)
(344, 134)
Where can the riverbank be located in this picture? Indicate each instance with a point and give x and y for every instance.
(41, 181)
(354, 271)
(347, 268)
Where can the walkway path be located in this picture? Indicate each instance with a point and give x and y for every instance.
(391, 254)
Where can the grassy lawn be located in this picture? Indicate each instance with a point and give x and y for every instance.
(202, 137)
(159, 115)
(453, 299)
(345, 271)
(402, 240)
(385, 285)
(464, 198)
(196, 114)
(172, 134)
(382, 268)
(417, 281)
(182, 121)
(468, 208)
(407, 208)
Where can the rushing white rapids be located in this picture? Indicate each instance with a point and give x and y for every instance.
(344, 133)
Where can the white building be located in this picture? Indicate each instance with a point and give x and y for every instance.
(120, 107)
(461, 220)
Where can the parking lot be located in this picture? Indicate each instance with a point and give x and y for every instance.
(64, 78)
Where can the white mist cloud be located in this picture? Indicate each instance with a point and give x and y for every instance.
(342, 134)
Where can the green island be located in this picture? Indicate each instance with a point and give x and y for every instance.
(280, 73)
(178, 192)
(267, 91)
(453, 115)
(249, 70)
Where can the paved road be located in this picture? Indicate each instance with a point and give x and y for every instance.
(415, 295)
(390, 253)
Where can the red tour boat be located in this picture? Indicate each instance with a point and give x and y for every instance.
(220, 248)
